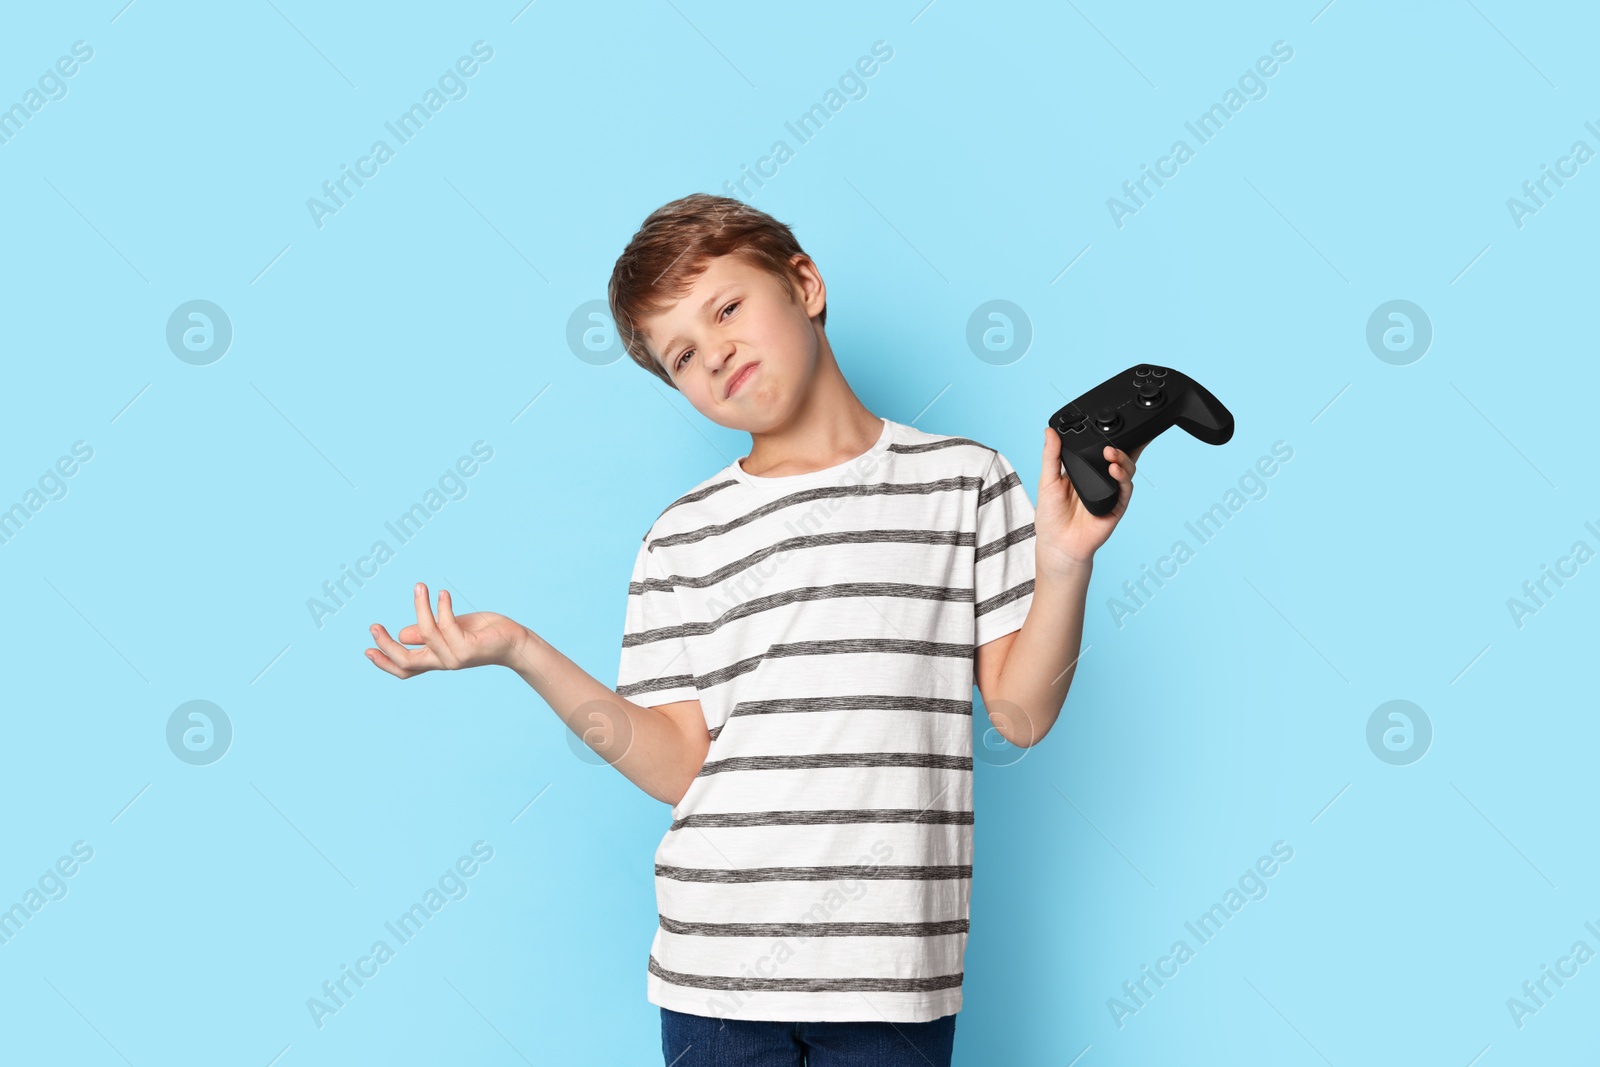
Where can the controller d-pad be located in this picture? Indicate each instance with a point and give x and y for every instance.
(1073, 421)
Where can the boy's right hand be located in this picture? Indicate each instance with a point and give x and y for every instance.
(449, 642)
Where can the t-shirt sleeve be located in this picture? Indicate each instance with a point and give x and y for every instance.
(1003, 565)
(654, 667)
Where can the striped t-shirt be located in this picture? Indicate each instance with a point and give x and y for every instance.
(820, 866)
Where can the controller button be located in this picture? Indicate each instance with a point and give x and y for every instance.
(1072, 421)
(1159, 372)
(1141, 372)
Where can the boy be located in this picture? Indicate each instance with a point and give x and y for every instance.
(803, 632)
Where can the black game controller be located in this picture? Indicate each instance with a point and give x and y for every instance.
(1126, 411)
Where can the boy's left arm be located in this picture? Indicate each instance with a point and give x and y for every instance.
(1024, 676)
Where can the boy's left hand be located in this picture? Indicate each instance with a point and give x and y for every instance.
(1066, 534)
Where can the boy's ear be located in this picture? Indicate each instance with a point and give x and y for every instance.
(813, 292)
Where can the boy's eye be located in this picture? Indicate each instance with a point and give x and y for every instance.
(678, 363)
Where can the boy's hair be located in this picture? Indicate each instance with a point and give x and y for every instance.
(671, 250)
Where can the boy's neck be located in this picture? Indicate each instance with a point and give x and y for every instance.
(831, 426)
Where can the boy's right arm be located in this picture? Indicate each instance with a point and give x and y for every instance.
(660, 749)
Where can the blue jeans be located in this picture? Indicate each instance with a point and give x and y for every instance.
(698, 1041)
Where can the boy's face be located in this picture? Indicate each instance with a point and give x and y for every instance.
(739, 322)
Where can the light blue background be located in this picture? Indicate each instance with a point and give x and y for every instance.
(432, 311)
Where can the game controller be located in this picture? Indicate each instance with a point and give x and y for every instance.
(1125, 411)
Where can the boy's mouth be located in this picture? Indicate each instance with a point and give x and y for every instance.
(739, 378)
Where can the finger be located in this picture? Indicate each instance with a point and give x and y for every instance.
(1121, 465)
(1124, 493)
(1050, 475)
(387, 665)
(1119, 457)
(414, 660)
(409, 635)
(1122, 500)
(447, 614)
(396, 660)
(450, 629)
(429, 628)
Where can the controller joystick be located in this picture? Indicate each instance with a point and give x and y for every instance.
(1149, 395)
(1131, 409)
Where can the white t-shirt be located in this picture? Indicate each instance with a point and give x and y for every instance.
(819, 867)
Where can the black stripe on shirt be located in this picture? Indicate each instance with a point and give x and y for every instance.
(903, 449)
(1010, 481)
(806, 496)
(818, 760)
(839, 647)
(1000, 600)
(1000, 544)
(871, 872)
(857, 929)
(807, 985)
(698, 494)
(931, 446)
(959, 538)
(839, 591)
(825, 817)
(651, 685)
(868, 702)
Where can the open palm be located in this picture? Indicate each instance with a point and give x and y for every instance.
(449, 642)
